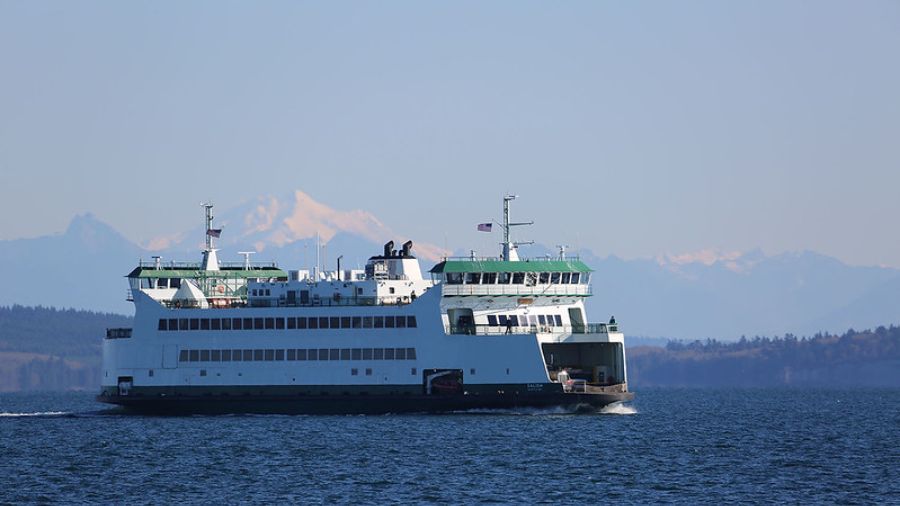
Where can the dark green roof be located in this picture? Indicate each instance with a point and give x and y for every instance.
(150, 272)
(503, 266)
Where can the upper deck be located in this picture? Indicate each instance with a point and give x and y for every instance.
(471, 276)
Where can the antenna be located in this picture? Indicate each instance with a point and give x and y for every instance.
(246, 258)
(209, 219)
(508, 245)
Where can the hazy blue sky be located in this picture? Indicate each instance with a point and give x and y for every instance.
(632, 128)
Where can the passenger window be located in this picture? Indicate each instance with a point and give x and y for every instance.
(388, 322)
(279, 323)
(279, 355)
(301, 322)
(183, 356)
(357, 322)
(291, 323)
(236, 355)
(312, 354)
(183, 324)
(367, 354)
(323, 353)
(301, 354)
(345, 322)
(215, 324)
(378, 354)
(356, 354)
(258, 355)
(335, 322)
(226, 323)
(163, 325)
(323, 322)
(195, 324)
(226, 355)
(558, 320)
(345, 354)
(379, 322)
(204, 324)
(248, 323)
(389, 354)
(492, 320)
(335, 354)
(195, 355)
(367, 322)
(401, 322)
(542, 319)
(400, 353)
(215, 356)
(173, 324)
(248, 355)
(270, 355)
(292, 354)
(410, 321)
(236, 323)
(410, 354)
(258, 324)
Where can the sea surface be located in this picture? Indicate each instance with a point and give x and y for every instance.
(669, 445)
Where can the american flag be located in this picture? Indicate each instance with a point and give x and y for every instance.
(484, 227)
(214, 232)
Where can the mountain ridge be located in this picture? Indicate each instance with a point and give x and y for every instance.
(686, 296)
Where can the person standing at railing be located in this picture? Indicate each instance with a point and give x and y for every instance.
(509, 325)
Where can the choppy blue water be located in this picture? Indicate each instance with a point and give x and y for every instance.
(710, 446)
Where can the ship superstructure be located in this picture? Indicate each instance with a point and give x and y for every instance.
(475, 333)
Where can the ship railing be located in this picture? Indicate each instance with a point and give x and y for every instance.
(495, 330)
(172, 264)
(578, 290)
(494, 258)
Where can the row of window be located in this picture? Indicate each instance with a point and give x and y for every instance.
(523, 320)
(268, 355)
(289, 323)
(516, 278)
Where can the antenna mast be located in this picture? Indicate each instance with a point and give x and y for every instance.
(209, 219)
(509, 253)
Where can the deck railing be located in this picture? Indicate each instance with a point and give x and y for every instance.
(579, 290)
(487, 330)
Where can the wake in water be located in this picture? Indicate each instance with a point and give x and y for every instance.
(44, 414)
(617, 408)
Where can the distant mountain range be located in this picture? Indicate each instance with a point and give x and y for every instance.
(684, 297)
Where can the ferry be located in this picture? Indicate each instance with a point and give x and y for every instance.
(474, 333)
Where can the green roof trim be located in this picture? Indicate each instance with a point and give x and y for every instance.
(503, 266)
(150, 272)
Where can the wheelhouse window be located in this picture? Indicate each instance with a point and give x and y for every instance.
(544, 278)
(489, 278)
(554, 278)
(454, 278)
(576, 278)
(503, 278)
(566, 276)
(473, 278)
(518, 278)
